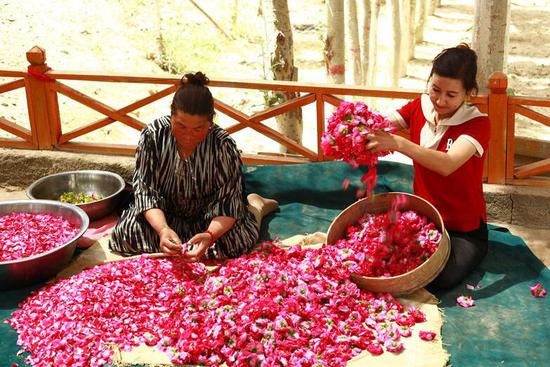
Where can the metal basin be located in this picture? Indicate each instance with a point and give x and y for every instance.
(22, 272)
(107, 184)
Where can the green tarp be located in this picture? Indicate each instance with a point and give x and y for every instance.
(507, 327)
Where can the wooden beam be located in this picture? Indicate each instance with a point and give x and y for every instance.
(533, 115)
(529, 182)
(15, 129)
(12, 74)
(263, 129)
(231, 112)
(283, 108)
(333, 100)
(234, 128)
(533, 169)
(108, 120)
(73, 134)
(289, 86)
(529, 147)
(16, 84)
(529, 101)
(98, 106)
(510, 142)
(30, 110)
(14, 143)
(281, 139)
(39, 112)
(498, 102)
(115, 77)
(320, 110)
(271, 159)
(116, 149)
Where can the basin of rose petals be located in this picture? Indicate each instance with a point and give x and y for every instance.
(26, 234)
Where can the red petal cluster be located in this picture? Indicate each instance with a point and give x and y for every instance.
(380, 247)
(345, 137)
(27, 234)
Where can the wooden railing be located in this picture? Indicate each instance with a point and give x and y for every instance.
(43, 86)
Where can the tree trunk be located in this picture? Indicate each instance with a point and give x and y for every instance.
(419, 30)
(282, 65)
(235, 15)
(395, 61)
(431, 6)
(334, 42)
(412, 22)
(376, 5)
(490, 38)
(406, 39)
(355, 48)
(367, 43)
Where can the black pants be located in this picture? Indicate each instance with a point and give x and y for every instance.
(467, 250)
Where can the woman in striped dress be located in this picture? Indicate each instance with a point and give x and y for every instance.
(188, 186)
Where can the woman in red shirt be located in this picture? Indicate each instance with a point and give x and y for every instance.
(449, 139)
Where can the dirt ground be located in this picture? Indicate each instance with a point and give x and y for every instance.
(103, 36)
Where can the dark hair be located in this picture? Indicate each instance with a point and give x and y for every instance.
(193, 96)
(458, 62)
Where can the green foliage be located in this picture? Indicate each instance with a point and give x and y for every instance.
(190, 50)
(272, 98)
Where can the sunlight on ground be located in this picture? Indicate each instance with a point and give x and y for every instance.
(196, 44)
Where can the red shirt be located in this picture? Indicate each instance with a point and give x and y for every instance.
(459, 196)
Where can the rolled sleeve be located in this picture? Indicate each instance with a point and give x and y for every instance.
(398, 120)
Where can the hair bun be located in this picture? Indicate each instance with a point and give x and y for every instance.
(198, 79)
(463, 45)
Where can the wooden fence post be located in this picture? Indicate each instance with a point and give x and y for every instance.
(42, 102)
(498, 105)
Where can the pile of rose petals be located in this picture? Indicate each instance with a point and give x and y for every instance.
(27, 234)
(381, 247)
(295, 307)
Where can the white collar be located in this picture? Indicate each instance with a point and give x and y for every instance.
(463, 114)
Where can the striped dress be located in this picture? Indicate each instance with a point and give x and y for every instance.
(191, 192)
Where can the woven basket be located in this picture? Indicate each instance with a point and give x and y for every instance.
(408, 282)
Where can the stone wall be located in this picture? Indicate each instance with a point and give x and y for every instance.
(518, 205)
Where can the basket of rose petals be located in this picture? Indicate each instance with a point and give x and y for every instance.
(37, 239)
(397, 241)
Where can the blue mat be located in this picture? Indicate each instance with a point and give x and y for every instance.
(507, 327)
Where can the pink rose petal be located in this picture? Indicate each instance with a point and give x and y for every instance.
(427, 335)
(537, 291)
(345, 184)
(465, 301)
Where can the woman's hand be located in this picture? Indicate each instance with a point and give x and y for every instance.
(380, 141)
(170, 243)
(202, 242)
